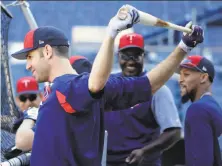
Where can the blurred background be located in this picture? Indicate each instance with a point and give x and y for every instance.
(84, 23)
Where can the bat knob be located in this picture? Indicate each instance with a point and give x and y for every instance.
(122, 14)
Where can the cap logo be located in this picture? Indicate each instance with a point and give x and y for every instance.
(41, 42)
(204, 68)
(131, 38)
(26, 82)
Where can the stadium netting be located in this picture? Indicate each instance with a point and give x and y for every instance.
(9, 111)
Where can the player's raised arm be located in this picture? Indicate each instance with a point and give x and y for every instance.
(103, 62)
(163, 71)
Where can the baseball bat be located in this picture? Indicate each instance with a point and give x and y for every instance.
(150, 20)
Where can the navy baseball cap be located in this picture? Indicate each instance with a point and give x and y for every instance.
(199, 63)
(39, 38)
(80, 63)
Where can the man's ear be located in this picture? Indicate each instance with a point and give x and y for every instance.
(47, 51)
(204, 78)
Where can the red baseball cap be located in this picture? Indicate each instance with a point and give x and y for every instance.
(132, 40)
(200, 64)
(39, 38)
(80, 63)
(27, 85)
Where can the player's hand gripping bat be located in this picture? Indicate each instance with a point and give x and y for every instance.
(150, 20)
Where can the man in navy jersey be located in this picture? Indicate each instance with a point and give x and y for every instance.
(69, 128)
(26, 127)
(134, 133)
(203, 122)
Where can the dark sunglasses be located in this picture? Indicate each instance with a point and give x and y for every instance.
(30, 97)
(128, 57)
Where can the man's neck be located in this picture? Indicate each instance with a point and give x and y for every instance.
(202, 92)
(61, 69)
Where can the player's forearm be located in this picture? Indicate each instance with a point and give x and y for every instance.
(102, 65)
(164, 141)
(25, 135)
(163, 71)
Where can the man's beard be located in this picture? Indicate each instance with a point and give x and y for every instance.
(189, 96)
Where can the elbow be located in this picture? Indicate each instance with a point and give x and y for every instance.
(96, 86)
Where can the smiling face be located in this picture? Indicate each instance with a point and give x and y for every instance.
(131, 61)
(38, 65)
(189, 82)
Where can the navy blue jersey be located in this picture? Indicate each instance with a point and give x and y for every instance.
(203, 125)
(136, 126)
(69, 128)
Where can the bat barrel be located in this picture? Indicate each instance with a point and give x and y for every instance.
(179, 28)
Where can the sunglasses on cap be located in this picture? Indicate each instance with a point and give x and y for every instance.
(30, 97)
(127, 57)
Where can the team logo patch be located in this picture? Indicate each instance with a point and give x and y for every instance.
(26, 82)
(47, 91)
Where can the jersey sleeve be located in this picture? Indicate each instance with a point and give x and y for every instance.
(124, 92)
(164, 109)
(198, 137)
(76, 97)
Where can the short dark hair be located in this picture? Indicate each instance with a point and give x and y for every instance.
(62, 50)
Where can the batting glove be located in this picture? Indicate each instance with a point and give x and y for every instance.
(31, 113)
(116, 24)
(189, 41)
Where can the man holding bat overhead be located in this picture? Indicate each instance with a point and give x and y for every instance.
(69, 129)
(139, 134)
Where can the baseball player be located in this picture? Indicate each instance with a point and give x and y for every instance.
(26, 125)
(203, 122)
(134, 133)
(70, 129)
(28, 99)
(27, 96)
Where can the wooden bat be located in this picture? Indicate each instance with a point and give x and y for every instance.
(150, 20)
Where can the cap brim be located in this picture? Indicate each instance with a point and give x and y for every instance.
(130, 46)
(22, 54)
(28, 92)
